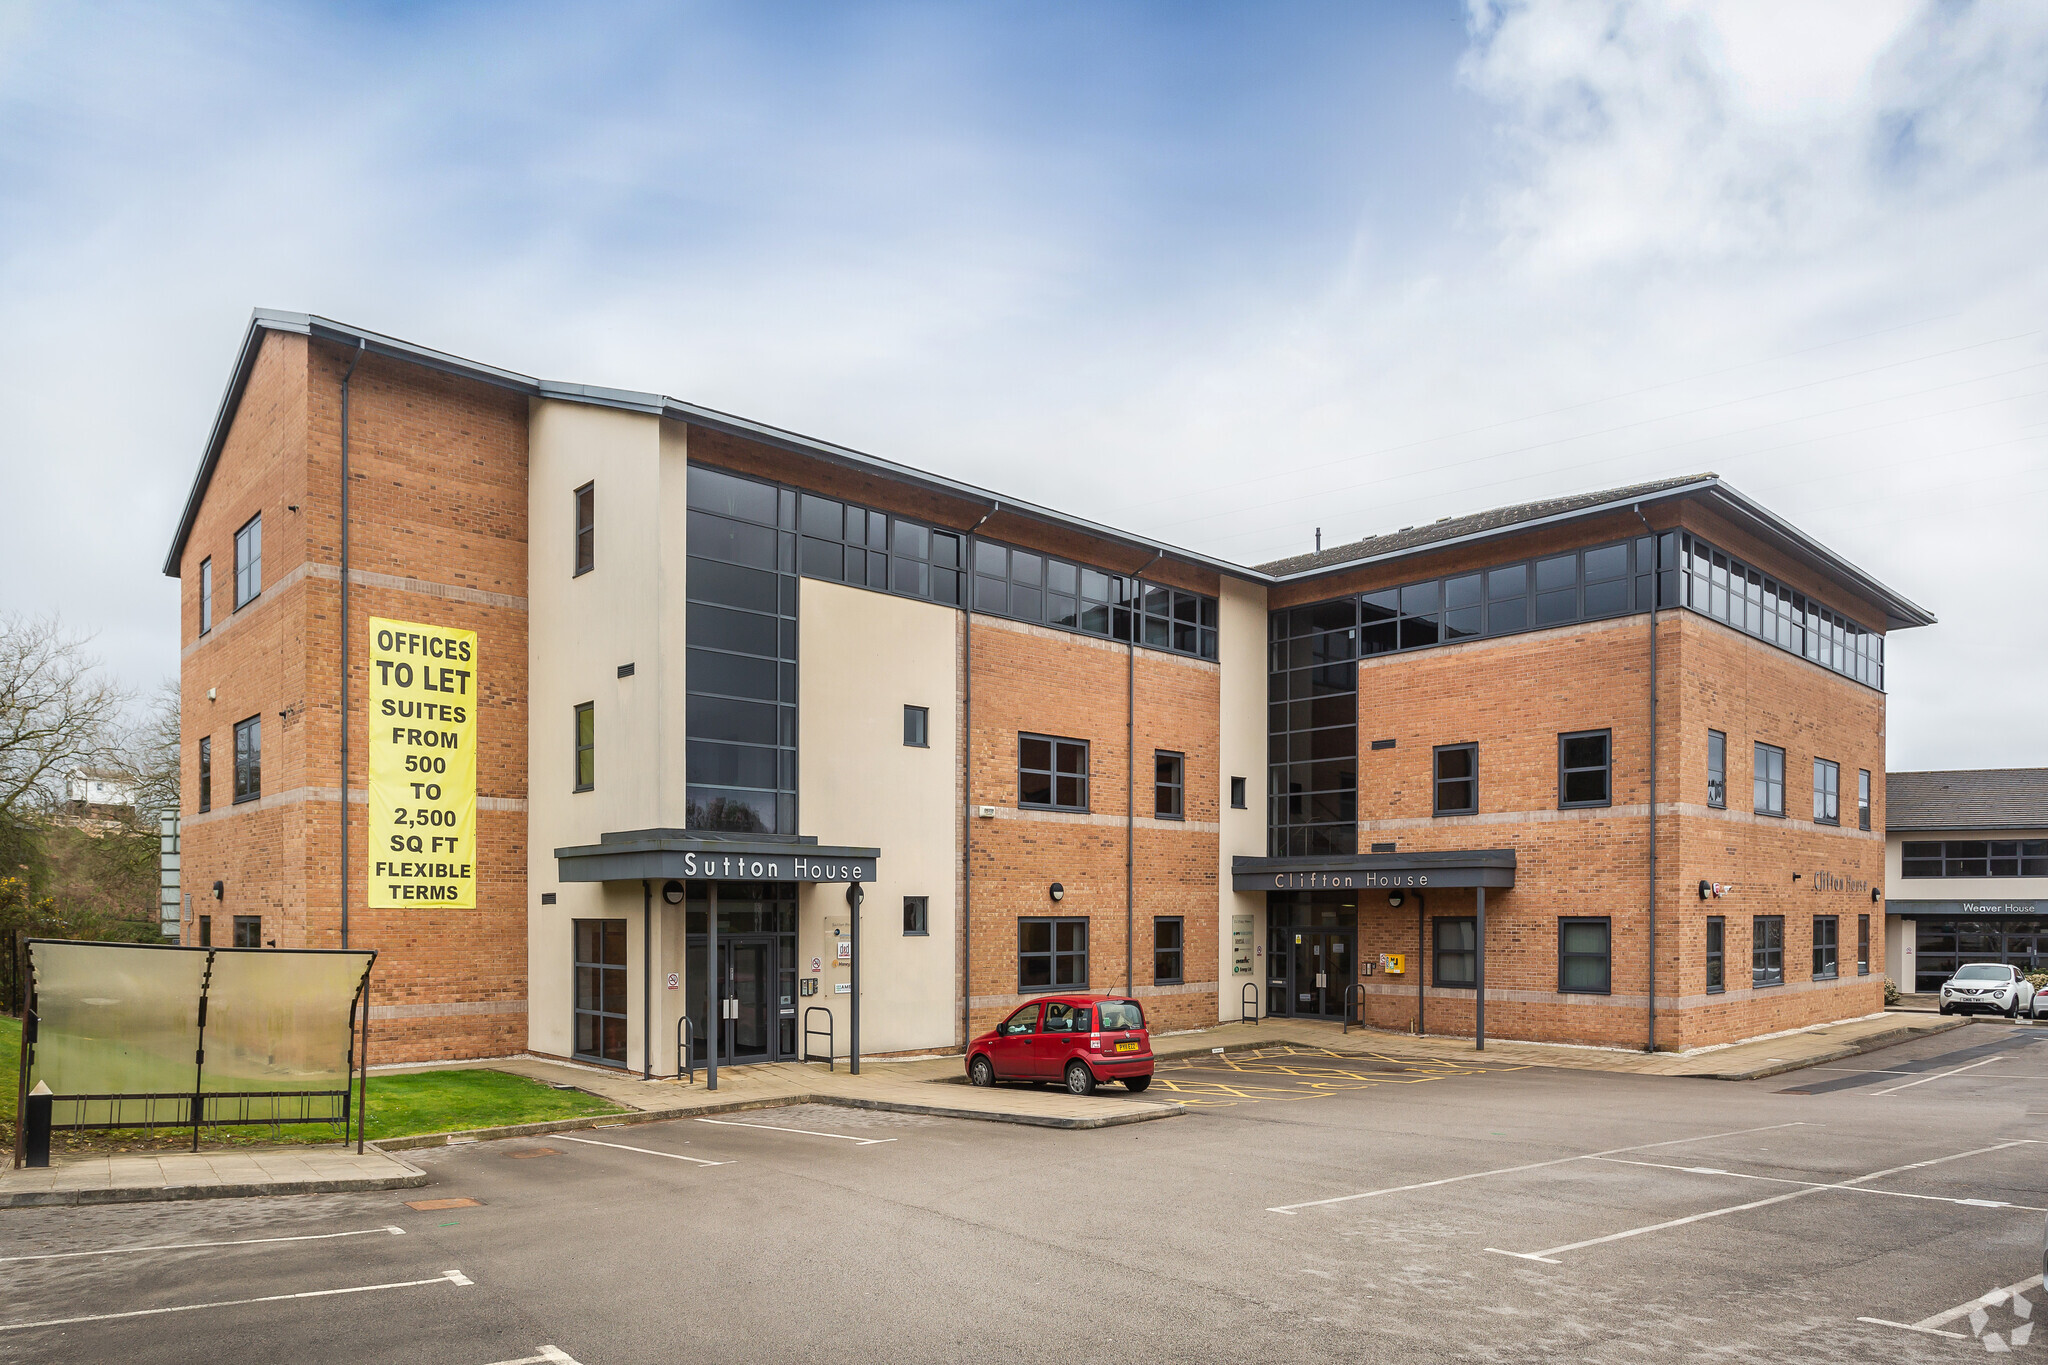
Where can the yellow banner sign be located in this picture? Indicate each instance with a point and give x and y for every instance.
(423, 691)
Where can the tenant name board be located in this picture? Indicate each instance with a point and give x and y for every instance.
(754, 867)
(422, 723)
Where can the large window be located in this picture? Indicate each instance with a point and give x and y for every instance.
(1827, 792)
(248, 931)
(249, 759)
(1974, 858)
(1717, 955)
(1723, 587)
(1167, 950)
(601, 990)
(1457, 779)
(206, 594)
(1169, 785)
(1584, 963)
(1863, 798)
(586, 746)
(1457, 953)
(249, 561)
(205, 773)
(1052, 774)
(1863, 945)
(1827, 961)
(1312, 730)
(1767, 951)
(1585, 768)
(1769, 773)
(1052, 954)
(916, 915)
(586, 528)
(1717, 769)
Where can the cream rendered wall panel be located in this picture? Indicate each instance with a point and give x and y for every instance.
(580, 628)
(863, 657)
(1241, 750)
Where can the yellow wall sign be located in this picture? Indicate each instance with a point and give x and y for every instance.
(423, 690)
(1394, 964)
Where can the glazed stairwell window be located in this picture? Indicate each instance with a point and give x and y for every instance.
(248, 759)
(586, 529)
(206, 594)
(1717, 769)
(1457, 779)
(205, 773)
(1052, 773)
(1770, 780)
(1052, 954)
(249, 561)
(1585, 762)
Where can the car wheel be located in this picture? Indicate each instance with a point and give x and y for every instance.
(2012, 1011)
(1944, 1009)
(1080, 1080)
(1136, 1084)
(980, 1072)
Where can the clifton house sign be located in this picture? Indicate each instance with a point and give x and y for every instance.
(1489, 867)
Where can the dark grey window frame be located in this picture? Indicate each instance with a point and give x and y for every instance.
(1974, 859)
(1827, 792)
(205, 773)
(1606, 767)
(206, 931)
(249, 759)
(585, 523)
(581, 749)
(1717, 769)
(206, 595)
(1863, 796)
(916, 916)
(1179, 950)
(1239, 799)
(248, 927)
(1053, 773)
(1438, 781)
(1438, 952)
(1863, 945)
(1178, 786)
(601, 965)
(1767, 951)
(248, 561)
(1827, 947)
(1053, 953)
(917, 727)
(1761, 782)
(1717, 954)
(1606, 956)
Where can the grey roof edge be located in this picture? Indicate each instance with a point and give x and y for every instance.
(1473, 857)
(1900, 611)
(663, 841)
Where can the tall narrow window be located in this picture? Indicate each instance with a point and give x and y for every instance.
(917, 914)
(205, 773)
(1584, 966)
(1767, 951)
(1237, 794)
(206, 931)
(917, 726)
(586, 528)
(1457, 958)
(1827, 962)
(1863, 945)
(1584, 768)
(601, 990)
(1167, 951)
(1717, 955)
(1770, 780)
(1827, 792)
(249, 561)
(586, 746)
(1863, 798)
(206, 594)
(1168, 785)
(1717, 769)
(1052, 774)
(1457, 779)
(249, 759)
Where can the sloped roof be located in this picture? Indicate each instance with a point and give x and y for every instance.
(1967, 799)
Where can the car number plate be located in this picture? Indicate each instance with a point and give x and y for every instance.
(1129, 1046)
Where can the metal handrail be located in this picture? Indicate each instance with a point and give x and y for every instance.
(1354, 991)
(1248, 1003)
(686, 1036)
(827, 1031)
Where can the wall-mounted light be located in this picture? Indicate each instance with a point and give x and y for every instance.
(1706, 889)
(1875, 895)
(219, 890)
(1394, 898)
(1058, 892)
(672, 892)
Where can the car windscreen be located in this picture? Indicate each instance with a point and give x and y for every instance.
(1121, 1014)
(1984, 971)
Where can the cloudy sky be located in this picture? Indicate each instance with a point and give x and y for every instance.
(1218, 273)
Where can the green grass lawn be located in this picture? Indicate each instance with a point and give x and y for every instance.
(430, 1102)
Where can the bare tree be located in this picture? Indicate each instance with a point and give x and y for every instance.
(58, 712)
(147, 749)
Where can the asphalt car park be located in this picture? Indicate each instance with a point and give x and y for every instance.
(1375, 1209)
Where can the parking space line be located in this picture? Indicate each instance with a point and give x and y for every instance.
(1550, 1254)
(1939, 1075)
(549, 1355)
(1825, 1185)
(644, 1151)
(1527, 1166)
(197, 1246)
(1943, 1319)
(455, 1277)
(735, 1123)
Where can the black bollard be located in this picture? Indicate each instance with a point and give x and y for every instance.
(36, 1125)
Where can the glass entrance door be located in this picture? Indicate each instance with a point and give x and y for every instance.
(746, 967)
(1310, 969)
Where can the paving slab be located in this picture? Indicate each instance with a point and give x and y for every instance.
(150, 1177)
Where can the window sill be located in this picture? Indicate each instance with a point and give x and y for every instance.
(1765, 985)
(1831, 824)
(580, 572)
(1585, 805)
(1562, 991)
(1170, 981)
(1717, 990)
(1769, 814)
(1447, 814)
(917, 933)
(1162, 815)
(591, 788)
(1052, 990)
(1831, 976)
(1062, 810)
(245, 800)
(250, 601)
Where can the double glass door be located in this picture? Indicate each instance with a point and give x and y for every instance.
(1309, 969)
(746, 989)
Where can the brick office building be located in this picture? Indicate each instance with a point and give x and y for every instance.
(722, 663)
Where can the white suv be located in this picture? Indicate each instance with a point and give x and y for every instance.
(1987, 988)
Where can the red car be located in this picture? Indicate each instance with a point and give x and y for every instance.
(1075, 1039)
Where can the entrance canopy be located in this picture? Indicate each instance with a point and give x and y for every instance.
(686, 855)
(1488, 867)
